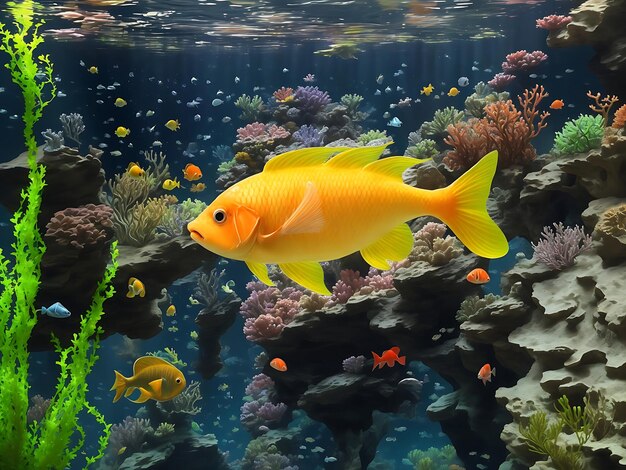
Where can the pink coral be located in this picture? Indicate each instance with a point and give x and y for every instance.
(553, 22)
(348, 284)
(283, 94)
(257, 132)
(523, 61)
(376, 281)
(500, 81)
(266, 326)
(260, 386)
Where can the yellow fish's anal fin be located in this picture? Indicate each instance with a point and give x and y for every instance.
(157, 387)
(308, 216)
(129, 391)
(394, 166)
(463, 207)
(357, 157)
(143, 397)
(149, 361)
(260, 271)
(395, 246)
(308, 274)
(302, 157)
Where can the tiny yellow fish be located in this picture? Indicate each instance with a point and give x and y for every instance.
(305, 226)
(172, 125)
(169, 184)
(173, 329)
(199, 187)
(135, 170)
(222, 387)
(171, 311)
(194, 335)
(427, 90)
(193, 301)
(120, 102)
(121, 451)
(122, 132)
(453, 91)
(93, 69)
(155, 378)
(135, 287)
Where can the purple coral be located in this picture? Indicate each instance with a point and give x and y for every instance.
(81, 226)
(311, 99)
(37, 409)
(559, 247)
(260, 386)
(376, 281)
(130, 433)
(353, 364)
(257, 132)
(500, 81)
(273, 461)
(348, 284)
(523, 61)
(266, 326)
(309, 136)
(261, 412)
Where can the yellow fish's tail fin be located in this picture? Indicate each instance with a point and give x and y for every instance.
(120, 385)
(463, 207)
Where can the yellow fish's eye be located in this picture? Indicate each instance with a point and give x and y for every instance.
(178, 380)
(219, 216)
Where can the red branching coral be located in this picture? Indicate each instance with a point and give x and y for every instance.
(522, 61)
(283, 94)
(619, 120)
(553, 22)
(504, 128)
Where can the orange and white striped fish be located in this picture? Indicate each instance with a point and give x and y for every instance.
(303, 209)
(478, 276)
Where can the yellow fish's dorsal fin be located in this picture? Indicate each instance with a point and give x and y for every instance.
(308, 274)
(357, 157)
(148, 361)
(302, 157)
(157, 387)
(260, 271)
(308, 216)
(394, 166)
(143, 397)
(395, 246)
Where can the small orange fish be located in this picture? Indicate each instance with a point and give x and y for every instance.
(155, 378)
(478, 276)
(557, 104)
(485, 373)
(278, 364)
(192, 172)
(389, 357)
(135, 170)
(135, 287)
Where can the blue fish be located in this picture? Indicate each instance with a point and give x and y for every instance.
(395, 122)
(56, 310)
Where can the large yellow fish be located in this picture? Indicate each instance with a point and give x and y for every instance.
(303, 209)
(155, 378)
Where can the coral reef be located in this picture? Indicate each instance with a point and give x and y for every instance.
(54, 141)
(579, 135)
(482, 96)
(309, 136)
(559, 248)
(251, 108)
(442, 118)
(73, 126)
(177, 216)
(80, 226)
(38, 408)
(553, 22)
(310, 99)
(353, 364)
(501, 80)
(522, 61)
(610, 231)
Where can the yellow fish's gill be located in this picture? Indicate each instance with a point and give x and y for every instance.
(302, 210)
(155, 378)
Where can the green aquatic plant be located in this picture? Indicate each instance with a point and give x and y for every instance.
(369, 136)
(580, 135)
(250, 107)
(544, 437)
(54, 441)
(426, 148)
(431, 458)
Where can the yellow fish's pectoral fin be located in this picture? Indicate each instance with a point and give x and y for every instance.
(394, 166)
(260, 271)
(157, 387)
(463, 207)
(308, 216)
(357, 157)
(312, 156)
(395, 246)
(308, 274)
(246, 225)
(143, 397)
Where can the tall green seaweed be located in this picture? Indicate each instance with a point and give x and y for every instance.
(55, 441)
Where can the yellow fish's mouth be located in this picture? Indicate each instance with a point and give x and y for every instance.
(195, 235)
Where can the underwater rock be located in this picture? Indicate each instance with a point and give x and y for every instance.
(599, 23)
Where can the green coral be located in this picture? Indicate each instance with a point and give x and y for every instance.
(426, 148)
(251, 107)
(543, 437)
(432, 458)
(443, 118)
(352, 103)
(170, 355)
(177, 216)
(55, 441)
(482, 96)
(580, 135)
(369, 136)
(164, 429)
(225, 167)
(472, 305)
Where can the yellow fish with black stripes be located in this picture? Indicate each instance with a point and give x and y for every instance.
(306, 207)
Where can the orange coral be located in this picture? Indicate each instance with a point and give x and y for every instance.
(504, 128)
(619, 120)
(283, 94)
(603, 105)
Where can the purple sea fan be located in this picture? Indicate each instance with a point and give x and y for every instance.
(311, 99)
(309, 136)
(353, 364)
(559, 247)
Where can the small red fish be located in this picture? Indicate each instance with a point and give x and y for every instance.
(278, 364)
(192, 172)
(389, 357)
(485, 373)
(478, 276)
(557, 104)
